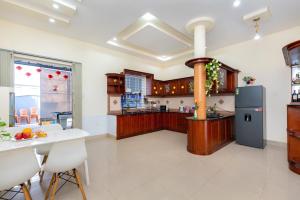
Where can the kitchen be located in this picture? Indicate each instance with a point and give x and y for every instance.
(175, 100)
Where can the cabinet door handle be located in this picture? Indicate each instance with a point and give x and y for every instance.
(294, 133)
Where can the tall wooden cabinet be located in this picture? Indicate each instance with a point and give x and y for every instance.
(292, 57)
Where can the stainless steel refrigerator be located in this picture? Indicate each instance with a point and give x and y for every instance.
(250, 117)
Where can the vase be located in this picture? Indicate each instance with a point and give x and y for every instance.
(195, 114)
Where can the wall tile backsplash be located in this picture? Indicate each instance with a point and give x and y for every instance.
(223, 102)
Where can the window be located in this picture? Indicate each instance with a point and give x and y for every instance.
(44, 89)
(135, 87)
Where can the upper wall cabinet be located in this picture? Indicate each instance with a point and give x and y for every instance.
(291, 53)
(157, 88)
(115, 83)
(228, 81)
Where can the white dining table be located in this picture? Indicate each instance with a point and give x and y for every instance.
(54, 137)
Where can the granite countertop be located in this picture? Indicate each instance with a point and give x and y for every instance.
(222, 115)
(119, 113)
(294, 104)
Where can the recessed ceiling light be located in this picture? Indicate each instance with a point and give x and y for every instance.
(112, 43)
(65, 4)
(236, 3)
(257, 36)
(114, 39)
(51, 20)
(55, 6)
(148, 17)
(164, 58)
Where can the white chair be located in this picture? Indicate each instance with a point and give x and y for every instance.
(18, 166)
(64, 157)
(44, 149)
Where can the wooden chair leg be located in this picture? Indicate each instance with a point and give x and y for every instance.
(50, 186)
(52, 195)
(29, 184)
(26, 192)
(78, 181)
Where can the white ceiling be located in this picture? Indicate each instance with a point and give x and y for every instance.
(157, 41)
(98, 21)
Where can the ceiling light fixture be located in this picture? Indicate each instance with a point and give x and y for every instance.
(112, 43)
(256, 26)
(51, 20)
(55, 6)
(114, 39)
(148, 17)
(65, 4)
(236, 3)
(164, 58)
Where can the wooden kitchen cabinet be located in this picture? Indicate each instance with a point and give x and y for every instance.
(174, 87)
(207, 136)
(155, 88)
(293, 134)
(115, 83)
(291, 54)
(141, 123)
(175, 121)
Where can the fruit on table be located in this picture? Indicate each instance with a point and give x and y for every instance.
(27, 135)
(41, 134)
(19, 136)
(27, 130)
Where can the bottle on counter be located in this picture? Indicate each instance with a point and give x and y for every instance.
(298, 96)
(294, 96)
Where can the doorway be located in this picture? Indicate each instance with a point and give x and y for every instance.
(43, 93)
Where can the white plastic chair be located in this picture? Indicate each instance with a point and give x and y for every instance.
(64, 157)
(16, 168)
(44, 150)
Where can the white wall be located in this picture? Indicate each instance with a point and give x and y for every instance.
(96, 63)
(264, 60)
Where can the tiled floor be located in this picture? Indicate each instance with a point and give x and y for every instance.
(157, 166)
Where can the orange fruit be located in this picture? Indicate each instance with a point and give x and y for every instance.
(27, 131)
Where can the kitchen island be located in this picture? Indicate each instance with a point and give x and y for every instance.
(209, 135)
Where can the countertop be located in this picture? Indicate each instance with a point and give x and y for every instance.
(118, 113)
(294, 104)
(223, 115)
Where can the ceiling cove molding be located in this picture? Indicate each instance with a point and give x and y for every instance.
(38, 10)
(121, 40)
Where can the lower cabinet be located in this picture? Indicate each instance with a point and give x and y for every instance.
(207, 136)
(293, 131)
(137, 124)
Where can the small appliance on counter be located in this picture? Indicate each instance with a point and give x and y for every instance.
(163, 108)
(181, 108)
(250, 116)
(65, 119)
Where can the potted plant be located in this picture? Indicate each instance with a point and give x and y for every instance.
(249, 80)
(212, 76)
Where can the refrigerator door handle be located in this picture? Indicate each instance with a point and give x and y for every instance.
(247, 117)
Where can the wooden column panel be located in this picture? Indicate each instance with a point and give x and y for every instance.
(207, 136)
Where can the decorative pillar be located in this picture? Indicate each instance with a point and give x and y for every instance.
(199, 26)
